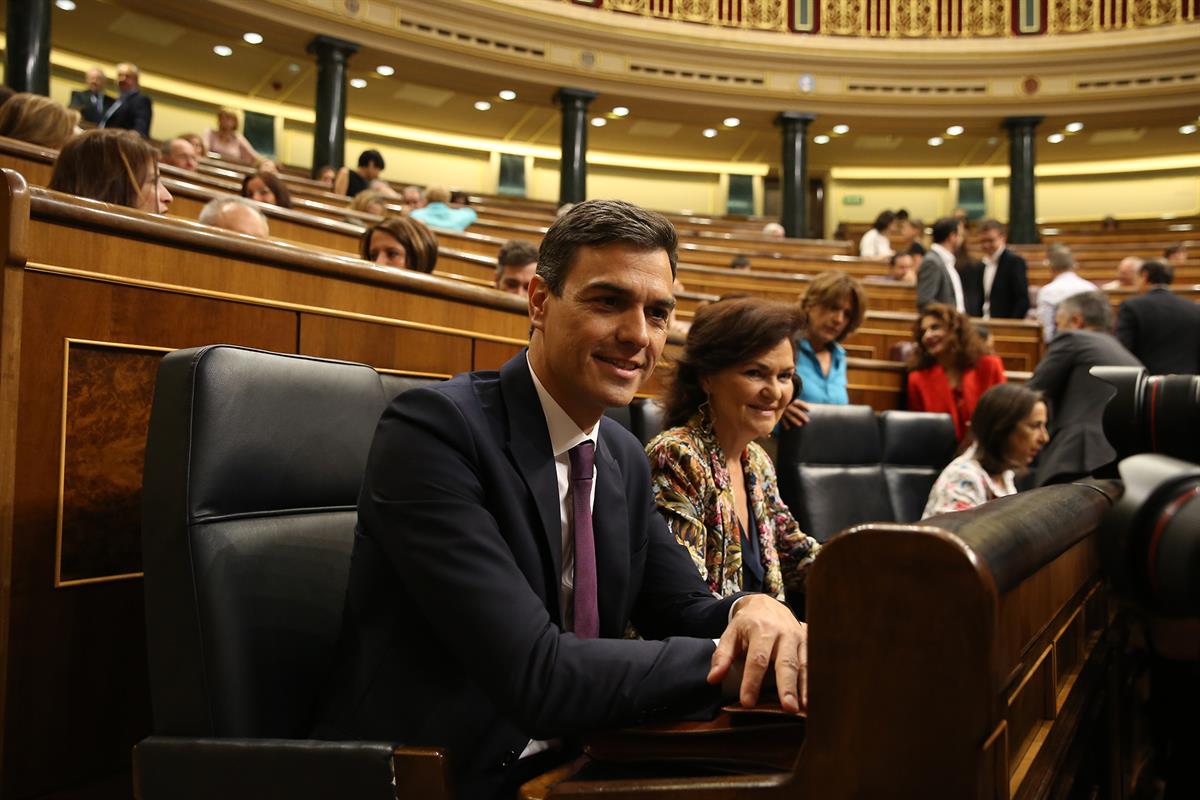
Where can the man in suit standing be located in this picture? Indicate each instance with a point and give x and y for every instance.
(937, 280)
(1005, 275)
(132, 110)
(94, 102)
(1160, 327)
(507, 533)
(1077, 400)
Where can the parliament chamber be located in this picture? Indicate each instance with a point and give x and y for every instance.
(985, 653)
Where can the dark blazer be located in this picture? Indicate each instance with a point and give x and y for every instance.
(1009, 298)
(133, 111)
(933, 282)
(451, 633)
(1077, 445)
(970, 273)
(1163, 330)
(83, 100)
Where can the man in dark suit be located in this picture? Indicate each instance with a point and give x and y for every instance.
(937, 280)
(1077, 446)
(488, 597)
(132, 110)
(1159, 327)
(1005, 281)
(92, 103)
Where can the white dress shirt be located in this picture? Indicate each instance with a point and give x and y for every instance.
(1065, 284)
(990, 265)
(874, 244)
(948, 261)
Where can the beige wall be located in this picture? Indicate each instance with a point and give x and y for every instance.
(1090, 197)
(925, 199)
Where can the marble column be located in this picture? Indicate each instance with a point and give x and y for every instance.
(572, 178)
(329, 133)
(1022, 157)
(793, 179)
(27, 65)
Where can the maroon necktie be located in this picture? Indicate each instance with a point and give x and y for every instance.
(587, 614)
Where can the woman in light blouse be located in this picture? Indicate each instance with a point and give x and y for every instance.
(225, 141)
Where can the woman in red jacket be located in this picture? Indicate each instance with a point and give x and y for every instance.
(950, 368)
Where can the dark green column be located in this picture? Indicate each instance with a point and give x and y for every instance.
(794, 178)
(329, 133)
(1022, 157)
(572, 175)
(27, 67)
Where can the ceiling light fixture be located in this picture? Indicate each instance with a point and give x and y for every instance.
(841, 129)
(252, 38)
(482, 105)
(731, 122)
(1055, 138)
(223, 50)
(65, 5)
(1074, 127)
(385, 70)
(935, 141)
(821, 139)
(507, 94)
(709, 133)
(620, 111)
(599, 122)
(1187, 130)
(955, 130)
(358, 83)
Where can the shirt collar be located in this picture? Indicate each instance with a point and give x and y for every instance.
(994, 259)
(564, 433)
(946, 255)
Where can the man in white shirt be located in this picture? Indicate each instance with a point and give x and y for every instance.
(1065, 283)
(937, 280)
(875, 244)
(1005, 275)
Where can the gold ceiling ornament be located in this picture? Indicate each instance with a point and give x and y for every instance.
(915, 19)
(1082, 16)
(759, 15)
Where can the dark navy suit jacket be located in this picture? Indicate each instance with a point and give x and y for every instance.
(452, 625)
(133, 111)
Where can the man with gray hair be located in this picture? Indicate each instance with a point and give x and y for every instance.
(1084, 340)
(132, 110)
(1127, 272)
(1066, 282)
(92, 102)
(235, 214)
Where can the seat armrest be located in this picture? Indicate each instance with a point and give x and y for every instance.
(182, 768)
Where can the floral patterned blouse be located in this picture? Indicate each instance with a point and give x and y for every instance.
(693, 491)
(965, 484)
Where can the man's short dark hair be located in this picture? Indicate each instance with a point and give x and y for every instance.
(594, 223)
(993, 225)
(944, 228)
(515, 253)
(1172, 249)
(370, 157)
(1158, 273)
(1092, 307)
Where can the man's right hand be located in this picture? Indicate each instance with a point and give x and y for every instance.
(764, 631)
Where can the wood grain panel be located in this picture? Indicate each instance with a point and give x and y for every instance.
(385, 346)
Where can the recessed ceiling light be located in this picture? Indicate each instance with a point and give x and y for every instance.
(731, 122)
(1187, 130)
(821, 139)
(507, 94)
(358, 83)
(620, 111)
(252, 38)
(1055, 138)
(840, 129)
(385, 70)
(482, 105)
(954, 130)
(992, 140)
(935, 141)
(1074, 127)
(599, 122)
(293, 67)
(65, 5)
(709, 133)
(223, 50)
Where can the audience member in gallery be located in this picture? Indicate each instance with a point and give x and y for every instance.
(834, 306)
(352, 181)
(1176, 254)
(401, 242)
(413, 196)
(1008, 429)
(712, 483)
(950, 369)
(196, 142)
(325, 174)
(516, 264)
(38, 120)
(774, 230)
(132, 110)
(113, 166)
(225, 141)
(266, 187)
(180, 153)
(903, 268)
(438, 213)
(235, 214)
(740, 262)
(875, 244)
(1127, 272)
(1066, 282)
(93, 101)
(370, 202)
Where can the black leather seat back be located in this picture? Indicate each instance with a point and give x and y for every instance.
(253, 467)
(917, 446)
(394, 385)
(830, 474)
(647, 419)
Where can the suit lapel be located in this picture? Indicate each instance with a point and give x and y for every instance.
(610, 526)
(529, 445)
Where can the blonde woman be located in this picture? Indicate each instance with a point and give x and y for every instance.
(225, 141)
(38, 120)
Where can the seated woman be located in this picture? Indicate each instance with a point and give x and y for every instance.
(325, 174)
(714, 485)
(400, 242)
(950, 368)
(226, 142)
(113, 166)
(37, 120)
(835, 305)
(369, 201)
(265, 187)
(1008, 428)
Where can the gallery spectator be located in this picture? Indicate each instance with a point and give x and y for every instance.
(875, 244)
(266, 187)
(196, 142)
(38, 120)
(235, 214)
(325, 174)
(1109, 224)
(132, 110)
(113, 166)
(437, 212)
(740, 262)
(180, 153)
(93, 102)
(1127, 272)
(369, 202)
(515, 266)
(1158, 326)
(1176, 254)
(352, 181)
(400, 242)
(1066, 282)
(225, 141)
(413, 197)
(774, 230)
(903, 268)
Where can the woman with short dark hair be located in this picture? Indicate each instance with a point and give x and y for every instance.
(1008, 428)
(266, 187)
(114, 166)
(714, 485)
(400, 242)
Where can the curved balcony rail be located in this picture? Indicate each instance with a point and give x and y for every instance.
(915, 18)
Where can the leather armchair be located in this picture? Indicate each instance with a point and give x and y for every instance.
(917, 446)
(253, 466)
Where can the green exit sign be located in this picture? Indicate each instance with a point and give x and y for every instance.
(852, 200)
